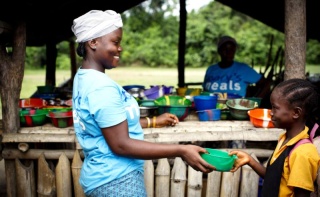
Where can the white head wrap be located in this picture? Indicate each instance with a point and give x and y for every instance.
(95, 23)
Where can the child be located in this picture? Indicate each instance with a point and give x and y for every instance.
(295, 105)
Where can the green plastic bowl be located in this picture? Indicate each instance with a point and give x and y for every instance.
(180, 111)
(173, 100)
(33, 117)
(177, 105)
(220, 159)
(61, 119)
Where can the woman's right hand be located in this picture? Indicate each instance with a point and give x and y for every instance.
(191, 155)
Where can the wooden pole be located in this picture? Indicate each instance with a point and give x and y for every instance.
(295, 41)
(46, 179)
(182, 43)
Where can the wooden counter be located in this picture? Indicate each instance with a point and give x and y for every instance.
(184, 131)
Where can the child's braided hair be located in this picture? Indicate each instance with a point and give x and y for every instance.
(302, 93)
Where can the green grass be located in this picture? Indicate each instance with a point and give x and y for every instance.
(122, 75)
(126, 76)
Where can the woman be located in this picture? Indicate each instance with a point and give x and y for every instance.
(106, 117)
(228, 75)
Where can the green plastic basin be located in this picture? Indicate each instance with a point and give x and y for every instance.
(220, 159)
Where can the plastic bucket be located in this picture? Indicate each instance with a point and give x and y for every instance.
(203, 102)
(209, 115)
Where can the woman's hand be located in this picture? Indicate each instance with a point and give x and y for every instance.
(164, 120)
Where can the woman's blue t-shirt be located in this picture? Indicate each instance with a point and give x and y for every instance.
(99, 102)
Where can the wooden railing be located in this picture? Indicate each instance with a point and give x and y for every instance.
(46, 161)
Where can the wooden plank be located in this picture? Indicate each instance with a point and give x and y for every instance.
(36, 153)
(185, 131)
(249, 184)
(63, 177)
(178, 178)
(162, 175)
(76, 170)
(46, 186)
(230, 183)
(213, 183)
(149, 177)
(10, 153)
(195, 183)
(25, 179)
(213, 136)
(38, 138)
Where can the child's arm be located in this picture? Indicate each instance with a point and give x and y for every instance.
(243, 159)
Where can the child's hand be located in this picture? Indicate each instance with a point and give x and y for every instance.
(243, 159)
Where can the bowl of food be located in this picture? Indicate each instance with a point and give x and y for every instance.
(33, 117)
(174, 104)
(239, 108)
(260, 118)
(220, 159)
(61, 119)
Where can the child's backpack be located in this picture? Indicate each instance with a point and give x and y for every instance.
(303, 141)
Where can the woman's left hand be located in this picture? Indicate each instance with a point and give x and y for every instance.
(164, 120)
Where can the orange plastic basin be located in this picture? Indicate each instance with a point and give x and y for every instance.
(32, 103)
(260, 117)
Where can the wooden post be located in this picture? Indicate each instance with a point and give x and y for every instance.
(213, 183)
(76, 168)
(162, 178)
(230, 184)
(249, 181)
(63, 177)
(295, 41)
(46, 179)
(194, 182)
(178, 178)
(73, 61)
(11, 72)
(149, 177)
(25, 179)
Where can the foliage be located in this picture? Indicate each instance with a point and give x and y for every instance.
(35, 57)
(151, 38)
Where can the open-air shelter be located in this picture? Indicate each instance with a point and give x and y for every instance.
(41, 23)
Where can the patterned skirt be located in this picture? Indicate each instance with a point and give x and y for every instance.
(130, 185)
